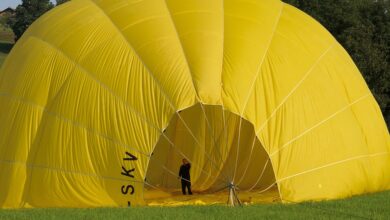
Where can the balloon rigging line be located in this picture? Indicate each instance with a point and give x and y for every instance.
(260, 177)
(201, 169)
(333, 164)
(249, 161)
(218, 141)
(65, 171)
(183, 155)
(198, 143)
(72, 122)
(213, 147)
(214, 139)
(258, 72)
(153, 186)
(287, 144)
(295, 88)
(225, 130)
(324, 166)
(266, 189)
(238, 149)
(175, 175)
(254, 81)
(168, 158)
(211, 130)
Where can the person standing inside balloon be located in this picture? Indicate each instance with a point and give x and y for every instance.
(184, 175)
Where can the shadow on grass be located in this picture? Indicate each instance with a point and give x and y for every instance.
(5, 47)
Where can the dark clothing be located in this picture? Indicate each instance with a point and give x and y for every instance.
(184, 174)
(185, 184)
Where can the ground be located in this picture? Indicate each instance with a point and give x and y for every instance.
(374, 206)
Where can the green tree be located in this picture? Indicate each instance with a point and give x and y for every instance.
(363, 28)
(3, 22)
(4, 18)
(26, 13)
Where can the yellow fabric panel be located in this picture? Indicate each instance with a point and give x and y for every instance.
(23, 117)
(33, 86)
(12, 194)
(200, 26)
(101, 100)
(284, 69)
(84, 157)
(246, 46)
(349, 179)
(148, 28)
(102, 48)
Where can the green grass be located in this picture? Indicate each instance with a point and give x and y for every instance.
(375, 206)
(6, 43)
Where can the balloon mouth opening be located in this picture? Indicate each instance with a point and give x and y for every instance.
(224, 154)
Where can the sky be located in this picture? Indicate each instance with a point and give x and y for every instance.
(11, 3)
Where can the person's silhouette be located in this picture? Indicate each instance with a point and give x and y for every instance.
(184, 175)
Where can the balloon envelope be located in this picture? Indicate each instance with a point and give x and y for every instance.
(101, 100)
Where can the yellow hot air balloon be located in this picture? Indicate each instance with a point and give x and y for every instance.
(102, 99)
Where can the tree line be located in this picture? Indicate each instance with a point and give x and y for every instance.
(361, 26)
(26, 13)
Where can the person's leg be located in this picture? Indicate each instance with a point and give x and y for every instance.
(189, 188)
(183, 187)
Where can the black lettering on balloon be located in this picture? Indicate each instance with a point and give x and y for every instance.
(127, 172)
(128, 189)
(125, 189)
(131, 157)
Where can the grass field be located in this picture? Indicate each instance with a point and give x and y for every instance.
(374, 206)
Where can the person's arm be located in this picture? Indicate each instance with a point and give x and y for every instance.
(180, 172)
